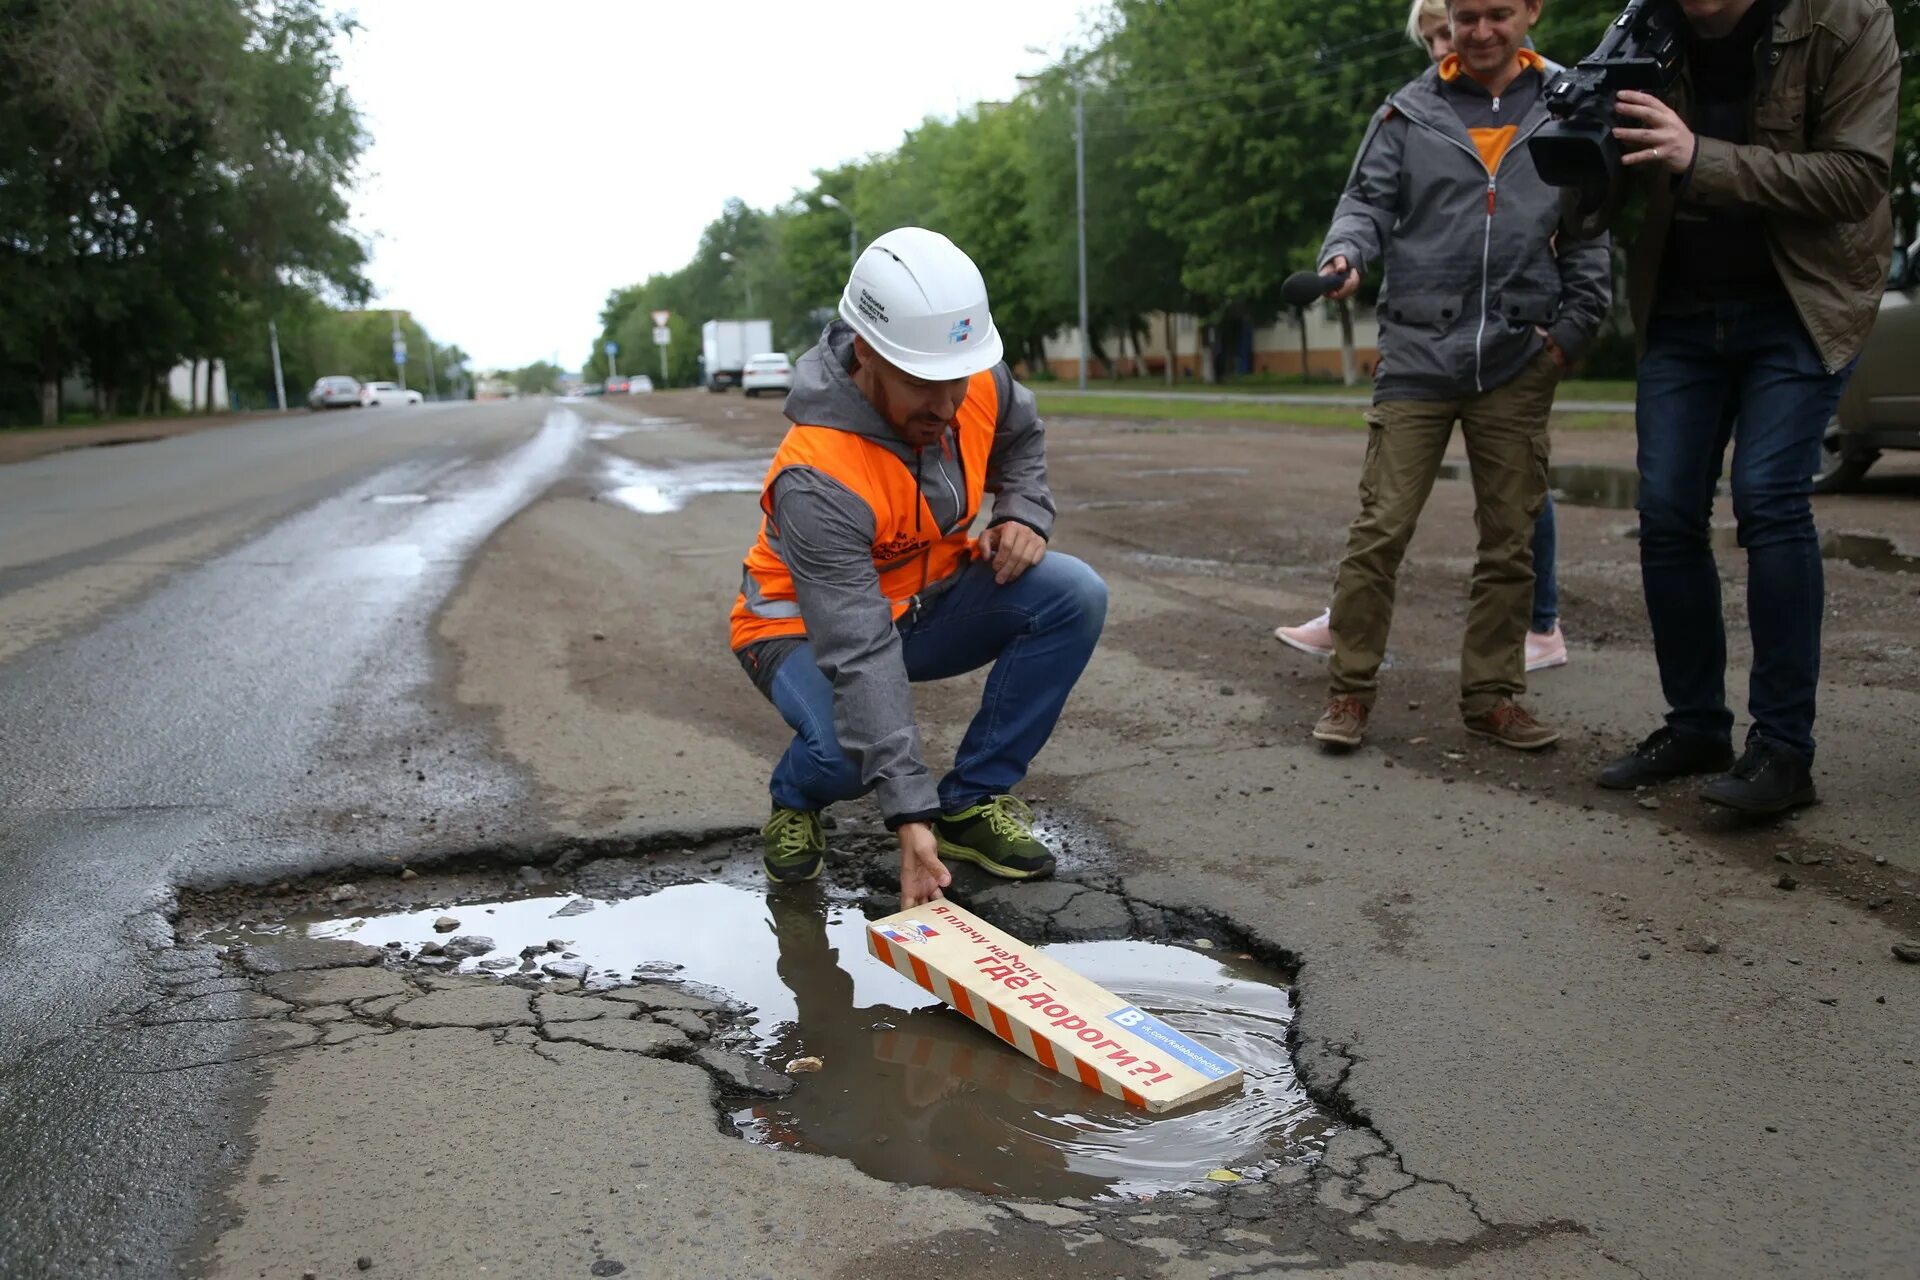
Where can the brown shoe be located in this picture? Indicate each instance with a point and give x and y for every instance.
(1343, 723)
(1512, 725)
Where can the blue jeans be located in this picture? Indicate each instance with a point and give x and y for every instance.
(1745, 372)
(1038, 632)
(1546, 584)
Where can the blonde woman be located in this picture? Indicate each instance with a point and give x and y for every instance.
(1427, 27)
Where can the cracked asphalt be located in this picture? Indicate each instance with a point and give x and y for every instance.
(1569, 1033)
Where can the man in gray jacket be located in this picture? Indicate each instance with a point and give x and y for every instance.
(1480, 315)
(866, 576)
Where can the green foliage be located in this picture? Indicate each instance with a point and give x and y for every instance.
(169, 171)
(537, 379)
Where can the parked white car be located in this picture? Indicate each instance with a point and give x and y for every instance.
(335, 391)
(639, 384)
(389, 393)
(771, 372)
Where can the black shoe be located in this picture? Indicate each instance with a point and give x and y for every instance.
(1770, 778)
(1666, 755)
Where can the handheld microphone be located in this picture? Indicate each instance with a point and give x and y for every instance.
(1304, 288)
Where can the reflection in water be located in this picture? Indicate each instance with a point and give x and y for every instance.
(925, 1096)
(908, 1090)
(659, 491)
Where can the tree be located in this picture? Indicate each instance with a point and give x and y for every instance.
(537, 379)
(165, 165)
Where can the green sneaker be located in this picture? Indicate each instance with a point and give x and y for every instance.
(996, 834)
(794, 842)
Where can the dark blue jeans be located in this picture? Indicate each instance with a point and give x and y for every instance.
(1546, 584)
(1038, 632)
(1745, 372)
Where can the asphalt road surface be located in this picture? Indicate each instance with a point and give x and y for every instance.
(1575, 1033)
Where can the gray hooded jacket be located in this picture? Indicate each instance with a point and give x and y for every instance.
(1470, 256)
(825, 536)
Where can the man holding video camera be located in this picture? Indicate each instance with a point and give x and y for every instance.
(1755, 278)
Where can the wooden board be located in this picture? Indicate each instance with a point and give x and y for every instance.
(1046, 1010)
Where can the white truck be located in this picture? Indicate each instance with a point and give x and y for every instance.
(727, 345)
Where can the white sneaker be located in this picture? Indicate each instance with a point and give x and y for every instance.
(1549, 650)
(1316, 637)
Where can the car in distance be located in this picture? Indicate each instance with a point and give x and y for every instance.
(617, 386)
(639, 384)
(335, 391)
(769, 372)
(376, 393)
(1881, 407)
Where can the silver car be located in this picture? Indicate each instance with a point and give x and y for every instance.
(1881, 407)
(335, 391)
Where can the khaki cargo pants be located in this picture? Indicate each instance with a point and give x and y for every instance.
(1506, 436)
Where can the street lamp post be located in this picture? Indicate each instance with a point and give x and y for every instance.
(1080, 197)
(853, 229)
(745, 280)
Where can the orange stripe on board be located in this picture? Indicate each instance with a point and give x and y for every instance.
(920, 974)
(1043, 1050)
(1000, 1025)
(881, 949)
(962, 1001)
(1131, 1098)
(1087, 1077)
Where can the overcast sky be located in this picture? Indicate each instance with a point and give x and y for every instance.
(530, 155)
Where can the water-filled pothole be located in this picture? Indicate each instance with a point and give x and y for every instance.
(905, 1089)
(660, 491)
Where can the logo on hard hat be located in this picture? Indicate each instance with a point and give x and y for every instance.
(871, 308)
(962, 329)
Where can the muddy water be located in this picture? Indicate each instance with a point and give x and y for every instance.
(908, 1090)
(924, 1096)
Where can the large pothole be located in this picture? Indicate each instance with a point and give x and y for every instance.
(847, 1058)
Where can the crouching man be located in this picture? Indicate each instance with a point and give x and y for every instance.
(865, 578)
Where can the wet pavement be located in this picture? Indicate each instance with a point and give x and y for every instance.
(299, 654)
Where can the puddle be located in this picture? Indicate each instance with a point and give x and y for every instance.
(908, 1090)
(1578, 484)
(1862, 551)
(398, 499)
(1865, 552)
(925, 1096)
(659, 491)
(614, 430)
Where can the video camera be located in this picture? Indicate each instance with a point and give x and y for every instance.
(1641, 50)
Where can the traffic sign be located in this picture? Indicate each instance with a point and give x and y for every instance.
(399, 353)
(660, 318)
(662, 336)
(613, 348)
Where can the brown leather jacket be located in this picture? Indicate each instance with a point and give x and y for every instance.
(1821, 159)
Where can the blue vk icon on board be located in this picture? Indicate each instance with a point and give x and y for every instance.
(962, 329)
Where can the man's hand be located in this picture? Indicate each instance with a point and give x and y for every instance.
(1553, 349)
(922, 874)
(1338, 265)
(1664, 138)
(1012, 549)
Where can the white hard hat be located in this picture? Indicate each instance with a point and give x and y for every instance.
(921, 303)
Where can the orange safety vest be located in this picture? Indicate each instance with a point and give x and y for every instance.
(909, 551)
